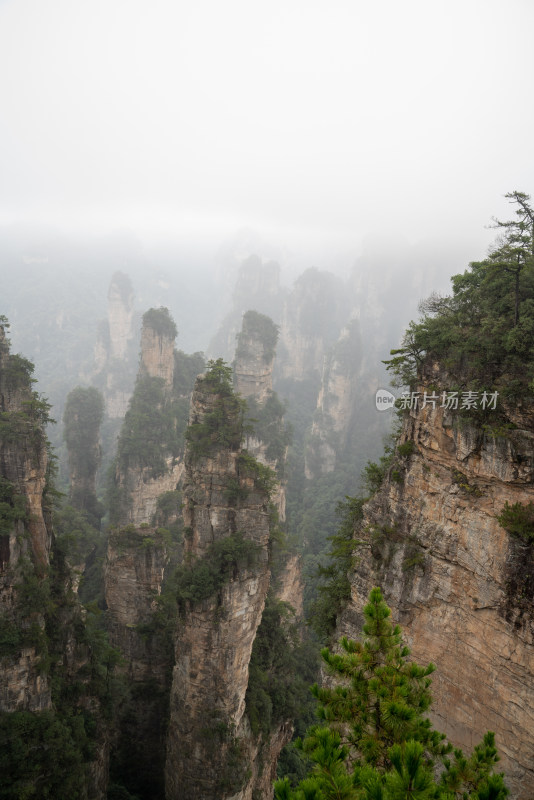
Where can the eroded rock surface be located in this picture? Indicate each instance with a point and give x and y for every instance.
(460, 585)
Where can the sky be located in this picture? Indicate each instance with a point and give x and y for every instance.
(306, 120)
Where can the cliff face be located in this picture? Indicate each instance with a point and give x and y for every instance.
(44, 649)
(253, 379)
(209, 736)
(312, 318)
(148, 462)
(157, 354)
(133, 576)
(253, 368)
(460, 585)
(257, 286)
(337, 408)
(25, 532)
(115, 356)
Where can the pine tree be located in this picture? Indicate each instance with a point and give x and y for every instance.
(376, 742)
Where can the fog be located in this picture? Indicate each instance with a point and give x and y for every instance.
(314, 124)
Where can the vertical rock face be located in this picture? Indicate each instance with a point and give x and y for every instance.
(84, 412)
(257, 286)
(148, 469)
(253, 379)
(157, 353)
(120, 314)
(115, 355)
(133, 577)
(224, 507)
(148, 463)
(254, 359)
(336, 403)
(460, 585)
(313, 316)
(25, 530)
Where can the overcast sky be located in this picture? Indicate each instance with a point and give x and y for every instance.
(330, 119)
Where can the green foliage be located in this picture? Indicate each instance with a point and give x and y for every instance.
(375, 742)
(11, 637)
(334, 589)
(257, 326)
(280, 670)
(18, 371)
(265, 478)
(462, 481)
(222, 425)
(46, 754)
(149, 432)
(375, 472)
(222, 562)
(43, 755)
(160, 320)
(75, 534)
(483, 334)
(26, 425)
(154, 428)
(186, 370)
(13, 507)
(406, 449)
(518, 519)
(83, 416)
(267, 422)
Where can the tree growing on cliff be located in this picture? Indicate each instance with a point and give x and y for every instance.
(375, 742)
(483, 334)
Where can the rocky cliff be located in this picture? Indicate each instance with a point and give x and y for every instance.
(257, 285)
(47, 654)
(150, 447)
(145, 506)
(337, 411)
(115, 355)
(461, 586)
(25, 532)
(253, 380)
(227, 530)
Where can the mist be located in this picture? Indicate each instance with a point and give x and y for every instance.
(314, 126)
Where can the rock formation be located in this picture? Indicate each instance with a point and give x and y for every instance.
(257, 286)
(461, 586)
(313, 316)
(227, 525)
(149, 460)
(25, 532)
(337, 407)
(115, 355)
(83, 416)
(145, 497)
(44, 650)
(253, 371)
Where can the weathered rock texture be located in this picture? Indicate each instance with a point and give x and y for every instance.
(460, 585)
(133, 576)
(253, 368)
(23, 467)
(140, 490)
(157, 354)
(289, 584)
(26, 545)
(115, 353)
(253, 379)
(338, 409)
(209, 734)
